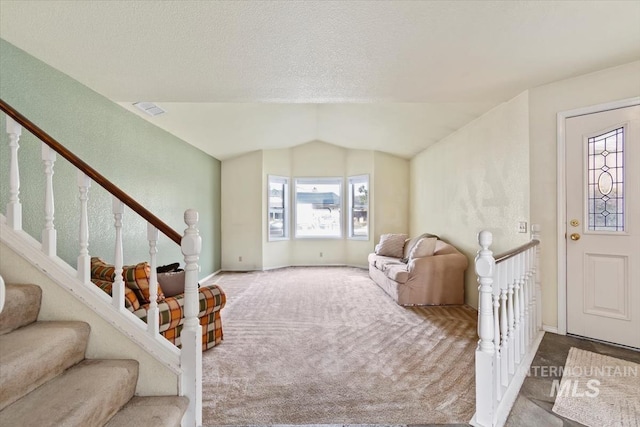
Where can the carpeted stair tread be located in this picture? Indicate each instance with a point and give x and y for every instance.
(22, 305)
(155, 411)
(36, 353)
(88, 394)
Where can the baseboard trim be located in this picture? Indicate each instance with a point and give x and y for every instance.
(550, 329)
(276, 267)
(209, 277)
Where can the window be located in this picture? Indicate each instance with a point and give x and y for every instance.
(278, 205)
(605, 193)
(318, 207)
(359, 207)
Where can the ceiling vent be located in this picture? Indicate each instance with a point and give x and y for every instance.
(150, 108)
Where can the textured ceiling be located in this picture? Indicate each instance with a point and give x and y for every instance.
(389, 75)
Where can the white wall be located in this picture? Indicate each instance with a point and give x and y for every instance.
(241, 212)
(105, 341)
(544, 103)
(391, 195)
(475, 179)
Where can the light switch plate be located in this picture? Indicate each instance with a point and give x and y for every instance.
(522, 227)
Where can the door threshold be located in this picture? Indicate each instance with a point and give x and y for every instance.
(628, 347)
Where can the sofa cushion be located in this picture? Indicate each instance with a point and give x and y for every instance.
(397, 272)
(101, 270)
(131, 302)
(379, 261)
(410, 243)
(136, 277)
(391, 245)
(425, 247)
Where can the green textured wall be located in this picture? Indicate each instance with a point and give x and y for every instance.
(162, 172)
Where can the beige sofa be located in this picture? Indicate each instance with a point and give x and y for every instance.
(429, 280)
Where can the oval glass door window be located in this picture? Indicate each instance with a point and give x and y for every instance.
(605, 183)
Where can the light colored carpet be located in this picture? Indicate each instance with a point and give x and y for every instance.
(316, 345)
(602, 391)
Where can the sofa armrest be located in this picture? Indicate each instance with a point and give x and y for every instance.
(211, 299)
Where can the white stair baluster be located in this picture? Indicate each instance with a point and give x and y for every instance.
(49, 234)
(3, 293)
(535, 234)
(496, 341)
(516, 310)
(191, 335)
(531, 318)
(504, 325)
(152, 313)
(523, 326)
(511, 314)
(84, 260)
(14, 207)
(525, 300)
(117, 291)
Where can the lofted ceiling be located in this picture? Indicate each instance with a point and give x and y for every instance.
(395, 76)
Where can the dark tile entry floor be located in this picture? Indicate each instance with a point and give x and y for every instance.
(534, 402)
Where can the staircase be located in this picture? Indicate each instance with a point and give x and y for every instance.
(45, 379)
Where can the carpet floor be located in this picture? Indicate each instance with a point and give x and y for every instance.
(325, 345)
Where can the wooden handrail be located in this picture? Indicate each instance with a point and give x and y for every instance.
(91, 173)
(513, 252)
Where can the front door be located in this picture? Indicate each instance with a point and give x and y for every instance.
(603, 225)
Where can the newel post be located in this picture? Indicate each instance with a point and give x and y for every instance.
(14, 207)
(485, 266)
(191, 335)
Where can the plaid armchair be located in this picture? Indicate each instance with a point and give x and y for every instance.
(136, 277)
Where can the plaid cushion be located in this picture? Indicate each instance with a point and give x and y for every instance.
(136, 277)
(211, 299)
(101, 270)
(130, 300)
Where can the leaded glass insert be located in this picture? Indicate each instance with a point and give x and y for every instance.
(605, 181)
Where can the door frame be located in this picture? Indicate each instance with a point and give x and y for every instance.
(561, 203)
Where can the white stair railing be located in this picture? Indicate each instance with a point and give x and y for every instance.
(509, 325)
(190, 355)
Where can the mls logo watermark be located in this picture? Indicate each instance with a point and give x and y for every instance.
(575, 388)
(581, 381)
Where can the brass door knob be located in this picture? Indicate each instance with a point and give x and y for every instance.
(575, 236)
